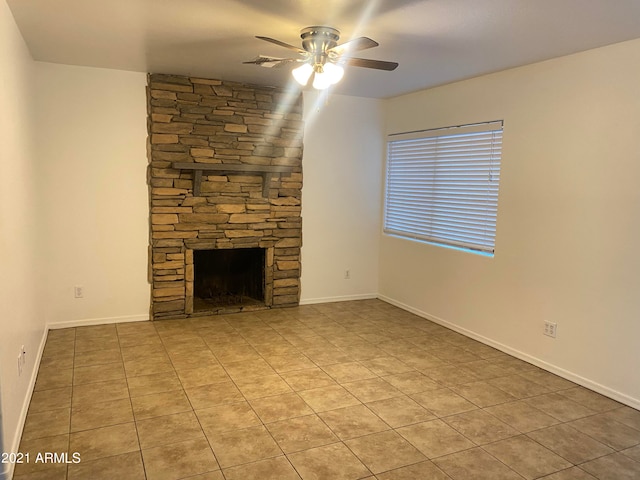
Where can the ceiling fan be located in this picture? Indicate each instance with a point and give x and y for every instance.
(322, 57)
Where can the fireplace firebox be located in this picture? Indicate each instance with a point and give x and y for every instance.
(225, 278)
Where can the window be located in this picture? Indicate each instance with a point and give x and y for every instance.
(442, 185)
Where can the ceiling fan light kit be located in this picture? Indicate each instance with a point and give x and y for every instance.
(302, 73)
(325, 75)
(332, 72)
(322, 57)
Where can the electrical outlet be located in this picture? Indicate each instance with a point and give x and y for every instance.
(550, 329)
(347, 274)
(20, 364)
(23, 355)
(78, 291)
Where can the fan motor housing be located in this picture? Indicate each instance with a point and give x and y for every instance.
(319, 39)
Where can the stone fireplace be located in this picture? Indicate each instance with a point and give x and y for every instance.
(225, 183)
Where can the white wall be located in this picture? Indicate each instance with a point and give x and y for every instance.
(20, 319)
(342, 162)
(73, 206)
(568, 234)
(91, 127)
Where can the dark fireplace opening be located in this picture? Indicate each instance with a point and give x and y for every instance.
(228, 278)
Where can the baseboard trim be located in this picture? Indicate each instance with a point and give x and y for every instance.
(566, 374)
(343, 298)
(8, 473)
(97, 321)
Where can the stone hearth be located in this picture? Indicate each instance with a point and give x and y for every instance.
(225, 172)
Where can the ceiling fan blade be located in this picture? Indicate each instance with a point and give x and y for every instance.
(271, 62)
(367, 63)
(360, 43)
(282, 44)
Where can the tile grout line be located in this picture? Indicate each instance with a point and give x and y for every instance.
(73, 373)
(135, 423)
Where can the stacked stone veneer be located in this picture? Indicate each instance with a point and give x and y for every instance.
(216, 122)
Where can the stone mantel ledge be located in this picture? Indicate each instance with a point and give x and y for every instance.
(266, 171)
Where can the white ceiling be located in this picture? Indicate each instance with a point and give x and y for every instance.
(435, 41)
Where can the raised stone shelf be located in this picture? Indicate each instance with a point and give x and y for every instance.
(266, 171)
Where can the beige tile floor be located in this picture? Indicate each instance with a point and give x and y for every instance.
(352, 390)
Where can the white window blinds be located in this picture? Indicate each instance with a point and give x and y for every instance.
(442, 185)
